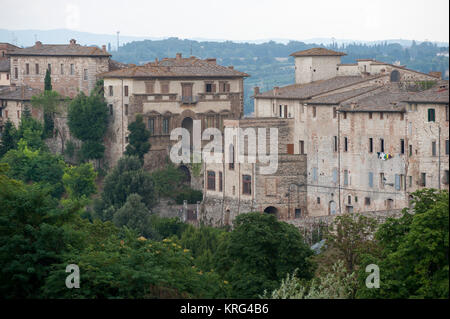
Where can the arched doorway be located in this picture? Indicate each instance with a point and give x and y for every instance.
(395, 76)
(188, 124)
(271, 210)
(186, 174)
(332, 208)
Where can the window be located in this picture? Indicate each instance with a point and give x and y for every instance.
(281, 111)
(446, 177)
(402, 182)
(345, 115)
(345, 177)
(166, 126)
(211, 181)
(16, 73)
(302, 147)
(126, 90)
(165, 89)
(314, 110)
(246, 184)
(433, 148)
(208, 87)
(314, 174)
(402, 146)
(224, 87)
(18, 114)
(367, 201)
(402, 116)
(447, 147)
(36, 66)
(126, 139)
(446, 113)
(126, 109)
(370, 115)
(318, 200)
(334, 112)
(298, 213)
(382, 180)
(382, 145)
(431, 115)
(345, 144)
(349, 200)
(410, 150)
(397, 182)
(335, 175)
(285, 111)
(423, 179)
(370, 145)
(335, 143)
(381, 115)
(220, 182)
(151, 126)
(370, 179)
(27, 69)
(110, 109)
(149, 87)
(85, 74)
(231, 159)
(111, 91)
(72, 69)
(62, 69)
(410, 181)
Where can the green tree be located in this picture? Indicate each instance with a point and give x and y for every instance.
(8, 139)
(138, 138)
(50, 102)
(88, 121)
(128, 177)
(134, 215)
(413, 254)
(79, 180)
(258, 254)
(47, 81)
(31, 131)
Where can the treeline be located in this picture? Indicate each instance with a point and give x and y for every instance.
(269, 63)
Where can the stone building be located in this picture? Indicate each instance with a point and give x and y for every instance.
(4, 63)
(234, 187)
(170, 93)
(73, 67)
(12, 103)
(347, 117)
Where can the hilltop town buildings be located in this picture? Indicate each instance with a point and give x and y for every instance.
(170, 93)
(368, 136)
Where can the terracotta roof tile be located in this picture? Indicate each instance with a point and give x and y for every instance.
(60, 50)
(318, 52)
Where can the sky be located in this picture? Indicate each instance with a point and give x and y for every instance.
(238, 20)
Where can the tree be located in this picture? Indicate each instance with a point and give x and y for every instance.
(259, 252)
(79, 180)
(134, 215)
(50, 102)
(413, 254)
(31, 131)
(47, 81)
(9, 138)
(138, 138)
(127, 178)
(88, 121)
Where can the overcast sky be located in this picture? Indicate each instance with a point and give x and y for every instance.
(237, 19)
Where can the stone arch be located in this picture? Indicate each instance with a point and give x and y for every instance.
(271, 210)
(389, 203)
(395, 76)
(332, 208)
(186, 174)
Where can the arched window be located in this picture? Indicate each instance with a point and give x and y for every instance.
(395, 76)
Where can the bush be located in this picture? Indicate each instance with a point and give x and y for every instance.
(191, 195)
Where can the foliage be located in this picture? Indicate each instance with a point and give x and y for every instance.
(88, 121)
(36, 166)
(414, 251)
(191, 195)
(70, 149)
(79, 181)
(50, 102)
(134, 215)
(138, 138)
(259, 252)
(336, 284)
(31, 131)
(167, 181)
(127, 178)
(47, 81)
(8, 139)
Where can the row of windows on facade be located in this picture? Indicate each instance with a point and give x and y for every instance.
(5, 113)
(367, 201)
(382, 146)
(49, 67)
(211, 183)
(224, 87)
(399, 179)
(283, 113)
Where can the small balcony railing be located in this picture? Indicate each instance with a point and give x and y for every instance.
(189, 99)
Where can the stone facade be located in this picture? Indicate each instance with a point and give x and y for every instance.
(74, 68)
(13, 101)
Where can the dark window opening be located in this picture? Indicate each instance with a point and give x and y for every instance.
(211, 181)
(246, 184)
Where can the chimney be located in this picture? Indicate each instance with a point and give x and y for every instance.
(211, 60)
(231, 67)
(256, 90)
(436, 74)
(104, 48)
(73, 41)
(275, 90)
(179, 56)
(156, 60)
(38, 44)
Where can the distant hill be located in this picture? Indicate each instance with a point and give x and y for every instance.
(267, 61)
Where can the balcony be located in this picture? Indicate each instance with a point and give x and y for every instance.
(189, 99)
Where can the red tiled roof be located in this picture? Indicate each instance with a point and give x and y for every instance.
(175, 67)
(318, 52)
(60, 50)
